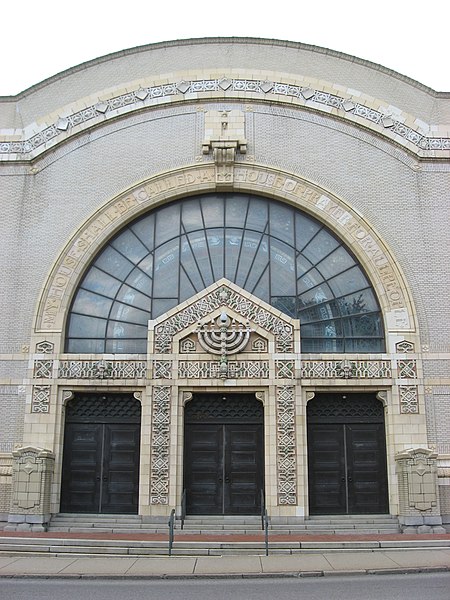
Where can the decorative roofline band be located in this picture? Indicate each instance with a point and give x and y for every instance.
(151, 96)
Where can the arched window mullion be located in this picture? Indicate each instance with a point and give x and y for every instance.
(184, 232)
(254, 267)
(263, 234)
(368, 287)
(205, 230)
(260, 277)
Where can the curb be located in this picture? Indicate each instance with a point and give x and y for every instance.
(284, 575)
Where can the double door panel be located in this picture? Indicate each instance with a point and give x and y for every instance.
(223, 468)
(101, 468)
(347, 469)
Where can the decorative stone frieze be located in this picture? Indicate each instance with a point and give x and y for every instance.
(102, 369)
(344, 107)
(232, 369)
(31, 486)
(358, 369)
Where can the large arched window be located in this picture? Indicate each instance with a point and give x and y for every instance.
(275, 251)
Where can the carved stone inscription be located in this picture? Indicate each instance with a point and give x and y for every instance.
(102, 225)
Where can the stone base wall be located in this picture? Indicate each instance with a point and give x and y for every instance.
(5, 484)
(444, 493)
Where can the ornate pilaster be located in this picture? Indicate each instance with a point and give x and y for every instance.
(160, 445)
(418, 491)
(286, 445)
(31, 486)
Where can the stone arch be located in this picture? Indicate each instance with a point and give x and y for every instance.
(368, 247)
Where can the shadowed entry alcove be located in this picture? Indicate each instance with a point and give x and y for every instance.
(223, 454)
(346, 454)
(101, 454)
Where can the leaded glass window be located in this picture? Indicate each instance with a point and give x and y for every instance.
(273, 250)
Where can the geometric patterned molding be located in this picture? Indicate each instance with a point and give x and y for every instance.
(407, 369)
(409, 399)
(40, 401)
(43, 369)
(404, 346)
(348, 109)
(44, 347)
(101, 369)
(358, 369)
(286, 445)
(160, 445)
(235, 369)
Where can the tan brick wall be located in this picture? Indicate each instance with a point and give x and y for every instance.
(44, 203)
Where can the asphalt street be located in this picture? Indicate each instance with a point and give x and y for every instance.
(417, 586)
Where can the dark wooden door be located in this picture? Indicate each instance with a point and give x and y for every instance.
(223, 468)
(101, 468)
(347, 468)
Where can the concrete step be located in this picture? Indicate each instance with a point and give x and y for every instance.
(216, 525)
(71, 547)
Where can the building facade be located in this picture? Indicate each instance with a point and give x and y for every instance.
(225, 268)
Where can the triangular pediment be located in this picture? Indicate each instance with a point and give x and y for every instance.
(240, 305)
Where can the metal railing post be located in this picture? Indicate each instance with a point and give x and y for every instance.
(266, 532)
(263, 508)
(171, 528)
(265, 521)
(183, 508)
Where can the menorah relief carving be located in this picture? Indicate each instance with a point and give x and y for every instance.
(223, 336)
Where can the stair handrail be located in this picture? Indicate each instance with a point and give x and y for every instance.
(171, 525)
(266, 531)
(263, 507)
(264, 521)
(183, 508)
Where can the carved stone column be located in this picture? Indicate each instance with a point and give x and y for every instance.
(31, 486)
(418, 491)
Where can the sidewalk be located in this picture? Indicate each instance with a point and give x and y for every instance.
(304, 564)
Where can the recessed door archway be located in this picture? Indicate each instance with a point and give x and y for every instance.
(101, 454)
(223, 454)
(347, 471)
